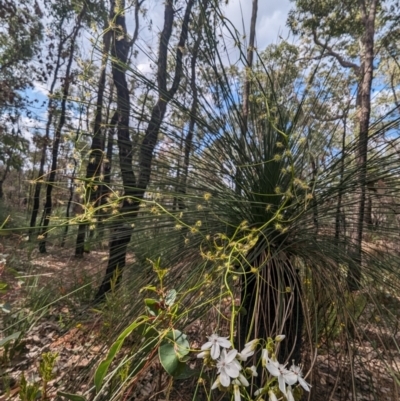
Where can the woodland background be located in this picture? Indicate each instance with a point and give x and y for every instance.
(142, 154)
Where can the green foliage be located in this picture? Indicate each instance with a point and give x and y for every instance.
(28, 391)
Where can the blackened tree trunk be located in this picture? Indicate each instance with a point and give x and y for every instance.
(57, 135)
(339, 214)
(46, 139)
(93, 170)
(270, 308)
(135, 189)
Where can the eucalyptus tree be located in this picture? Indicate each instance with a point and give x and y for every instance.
(134, 188)
(13, 147)
(93, 171)
(21, 33)
(352, 33)
(45, 141)
(81, 11)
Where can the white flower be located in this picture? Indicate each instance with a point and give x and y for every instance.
(258, 392)
(272, 396)
(228, 367)
(279, 338)
(253, 371)
(248, 350)
(297, 371)
(243, 381)
(215, 384)
(236, 392)
(203, 354)
(264, 357)
(215, 342)
(283, 375)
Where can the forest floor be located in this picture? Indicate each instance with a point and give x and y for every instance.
(76, 332)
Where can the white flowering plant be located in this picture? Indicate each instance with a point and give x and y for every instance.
(278, 381)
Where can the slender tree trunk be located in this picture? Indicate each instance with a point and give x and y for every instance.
(338, 215)
(57, 136)
(46, 140)
(367, 68)
(193, 116)
(134, 190)
(97, 148)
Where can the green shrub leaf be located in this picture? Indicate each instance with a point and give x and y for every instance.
(102, 369)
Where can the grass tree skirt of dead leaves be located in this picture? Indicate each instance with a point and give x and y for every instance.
(79, 336)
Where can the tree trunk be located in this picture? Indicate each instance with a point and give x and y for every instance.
(46, 140)
(193, 116)
(367, 68)
(57, 136)
(93, 170)
(270, 309)
(134, 190)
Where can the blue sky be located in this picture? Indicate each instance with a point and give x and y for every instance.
(271, 23)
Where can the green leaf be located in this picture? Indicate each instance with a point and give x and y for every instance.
(184, 372)
(172, 350)
(153, 306)
(170, 297)
(102, 369)
(181, 345)
(72, 397)
(3, 286)
(168, 358)
(13, 336)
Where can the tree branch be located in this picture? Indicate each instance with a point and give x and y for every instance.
(330, 52)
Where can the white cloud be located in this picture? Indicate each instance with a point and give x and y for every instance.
(271, 19)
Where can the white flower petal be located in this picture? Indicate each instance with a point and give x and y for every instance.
(282, 385)
(224, 342)
(231, 370)
(290, 377)
(243, 380)
(289, 394)
(237, 364)
(242, 357)
(207, 345)
(231, 355)
(252, 343)
(258, 392)
(264, 357)
(215, 352)
(273, 368)
(303, 383)
(272, 396)
(236, 391)
(215, 384)
(247, 352)
(224, 379)
(280, 338)
(253, 370)
(202, 354)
